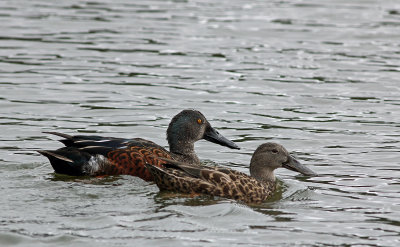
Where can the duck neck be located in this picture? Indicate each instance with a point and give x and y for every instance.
(262, 173)
(184, 151)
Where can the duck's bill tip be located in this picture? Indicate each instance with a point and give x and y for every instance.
(296, 166)
(212, 135)
(235, 147)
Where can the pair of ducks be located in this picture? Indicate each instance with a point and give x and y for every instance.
(179, 169)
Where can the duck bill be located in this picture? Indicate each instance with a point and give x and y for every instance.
(294, 165)
(212, 135)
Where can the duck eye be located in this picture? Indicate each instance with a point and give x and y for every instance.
(199, 121)
(274, 151)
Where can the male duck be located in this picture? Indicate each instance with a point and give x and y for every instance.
(96, 155)
(224, 182)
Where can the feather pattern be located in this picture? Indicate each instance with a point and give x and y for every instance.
(224, 182)
(108, 156)
(96, 155)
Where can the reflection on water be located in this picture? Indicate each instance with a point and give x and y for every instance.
(321, 78)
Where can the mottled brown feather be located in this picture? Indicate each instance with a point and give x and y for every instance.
(226, 182)
(132, 160)
(214, 182)
(96, 155)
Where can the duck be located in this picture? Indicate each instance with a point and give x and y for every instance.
(219, 181)
(91, 155)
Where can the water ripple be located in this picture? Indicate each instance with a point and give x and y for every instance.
(321, 78)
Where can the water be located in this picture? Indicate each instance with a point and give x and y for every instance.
(319, 77)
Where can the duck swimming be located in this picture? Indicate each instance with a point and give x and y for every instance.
(96, 155)
(256, 188)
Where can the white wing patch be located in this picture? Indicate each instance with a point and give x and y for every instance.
(99, 141)
(58, 156)
(89, 147)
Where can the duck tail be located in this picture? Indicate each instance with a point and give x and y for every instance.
(67, 161)
(58, 134)
(67, 141)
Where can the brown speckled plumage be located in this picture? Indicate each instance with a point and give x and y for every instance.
(132, 160)
(224, 182)
(97, 156)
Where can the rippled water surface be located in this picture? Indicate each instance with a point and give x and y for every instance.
(319, 77)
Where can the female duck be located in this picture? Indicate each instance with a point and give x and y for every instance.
(96, 155)
(224, 182)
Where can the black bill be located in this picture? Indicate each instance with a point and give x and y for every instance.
(212, 135)
(294, 165)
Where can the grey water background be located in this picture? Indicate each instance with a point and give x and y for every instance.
(319, 77)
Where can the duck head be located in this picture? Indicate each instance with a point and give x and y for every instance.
(189, 126)
(269, 156)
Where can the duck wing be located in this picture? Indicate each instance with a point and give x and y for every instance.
(96, 156)
(224, 182)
